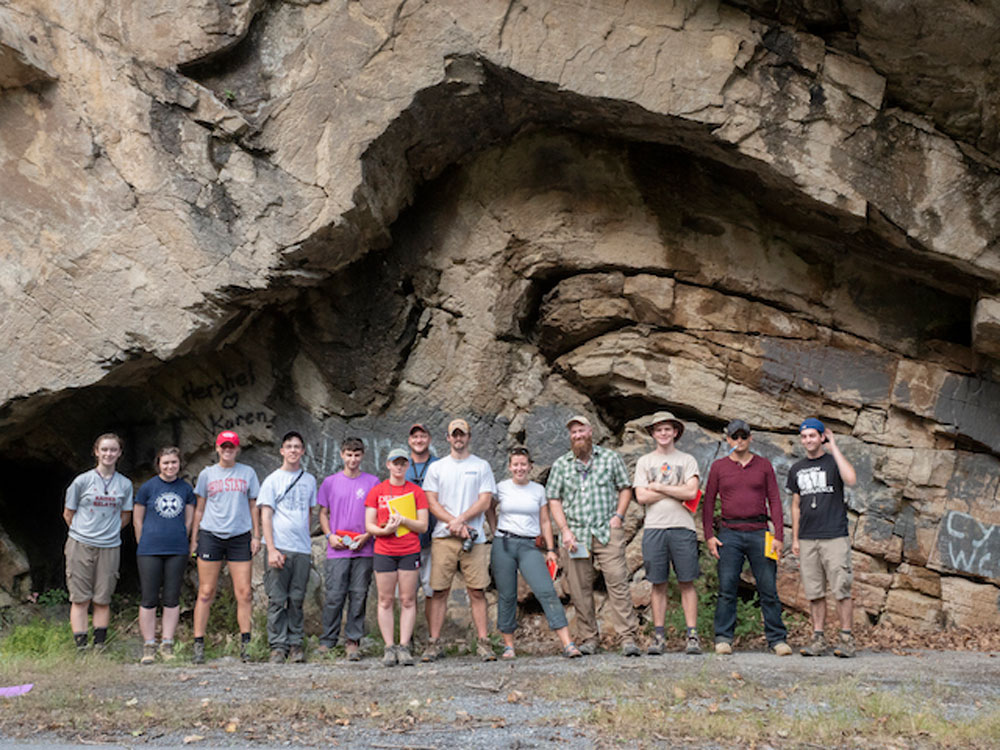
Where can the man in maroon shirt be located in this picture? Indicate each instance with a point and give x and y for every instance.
(749, 492)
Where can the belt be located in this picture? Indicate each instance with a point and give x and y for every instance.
(751, 519)
(508, 535)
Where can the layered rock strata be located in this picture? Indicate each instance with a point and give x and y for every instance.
(341, 217)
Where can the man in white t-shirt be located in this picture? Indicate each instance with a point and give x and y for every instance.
(459, 490)
(664, 480)
(287, 497)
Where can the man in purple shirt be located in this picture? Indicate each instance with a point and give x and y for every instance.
(348, 568)
(749, 492)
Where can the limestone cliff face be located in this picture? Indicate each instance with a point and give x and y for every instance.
(341, 217)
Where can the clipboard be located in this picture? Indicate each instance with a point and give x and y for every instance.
(692, 504)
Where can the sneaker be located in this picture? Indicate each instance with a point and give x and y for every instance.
(816, 647)
(389, 657)
(296, 655)
(323, 649)
(629, 648)
(148, 653)
(657, 646)
(846, 648)
(244, 651)
(781, 649)
(484, 650)
(277, 656)
(693, 645)
(432, 652)
(353, 651)
(588, 648)
(722, 648)
(166, 650)
(403, 655)
(198, 653)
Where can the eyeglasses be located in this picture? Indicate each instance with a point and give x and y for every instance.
(740, 435)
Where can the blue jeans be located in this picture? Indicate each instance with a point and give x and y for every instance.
(737, 545)
(510, 555)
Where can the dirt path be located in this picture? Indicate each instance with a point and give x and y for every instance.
(925, 699)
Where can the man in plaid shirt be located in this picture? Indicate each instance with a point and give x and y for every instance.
(589, 491)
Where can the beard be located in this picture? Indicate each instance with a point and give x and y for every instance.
(582, 447)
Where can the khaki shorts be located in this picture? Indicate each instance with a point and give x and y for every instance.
(448, 558)
(823, 561)
(91, 572)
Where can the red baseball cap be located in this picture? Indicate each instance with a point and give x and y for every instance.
(418, 426)
(228, 436)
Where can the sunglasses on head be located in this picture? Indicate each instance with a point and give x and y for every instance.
(520, 452)
(740, 435)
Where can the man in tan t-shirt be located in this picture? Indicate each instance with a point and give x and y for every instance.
(664, 480)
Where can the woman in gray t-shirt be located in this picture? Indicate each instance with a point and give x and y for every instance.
(98, 504)
(226, 527)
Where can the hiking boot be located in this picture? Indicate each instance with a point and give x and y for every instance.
(244, 651)
(629, 648)
(296, 655)
(588, 648)
(846, 648)
(353, 651)
(323, 649)
(484, 650)
(432, 652)
(781, 649)
(148, 653)
(166, 650)
(403, 655)
(693, 645)
(657, 646)
(389, 657)
(815, 647)
(277, 656)
(722, 648)
(198, 653)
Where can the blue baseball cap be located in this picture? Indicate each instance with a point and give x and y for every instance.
(812, 424)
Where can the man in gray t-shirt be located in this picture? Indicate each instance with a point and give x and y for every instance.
(286, 499)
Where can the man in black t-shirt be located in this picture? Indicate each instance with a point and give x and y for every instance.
(819, 533)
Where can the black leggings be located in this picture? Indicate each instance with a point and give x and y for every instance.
(161, 570)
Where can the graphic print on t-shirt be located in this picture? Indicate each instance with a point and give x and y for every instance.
(812, 480)
(169, 504)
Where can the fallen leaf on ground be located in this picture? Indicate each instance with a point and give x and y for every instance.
(679, 693)
(231, 727)
(131, 701)
(192, 738)
(515, 696)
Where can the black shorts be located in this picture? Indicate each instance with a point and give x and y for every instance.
(212, 548)
(392, 563)
(662, 548)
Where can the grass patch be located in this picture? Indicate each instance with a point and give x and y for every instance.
(699, 708)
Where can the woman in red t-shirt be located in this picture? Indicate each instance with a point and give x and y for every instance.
(388, 518)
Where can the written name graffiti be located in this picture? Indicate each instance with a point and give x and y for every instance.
(226, 391)
(970, 546)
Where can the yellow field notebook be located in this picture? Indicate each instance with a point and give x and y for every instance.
(406, 506)
(769, 545)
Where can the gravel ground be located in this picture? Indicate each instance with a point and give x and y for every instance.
(460, 702)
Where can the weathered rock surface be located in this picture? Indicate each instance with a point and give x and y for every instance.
(345, 217)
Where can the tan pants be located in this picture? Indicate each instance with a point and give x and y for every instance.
(580, 574)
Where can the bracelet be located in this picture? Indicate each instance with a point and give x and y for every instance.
(551, 549)
(620, 517)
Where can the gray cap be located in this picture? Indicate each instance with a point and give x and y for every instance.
(664, 416)
(396, 453)
(735, 426)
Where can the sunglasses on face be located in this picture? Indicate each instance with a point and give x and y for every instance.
(740, 435)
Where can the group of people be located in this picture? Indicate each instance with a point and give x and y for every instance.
(425, 523)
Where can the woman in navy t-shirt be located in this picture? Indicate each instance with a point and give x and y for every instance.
(162, 518)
